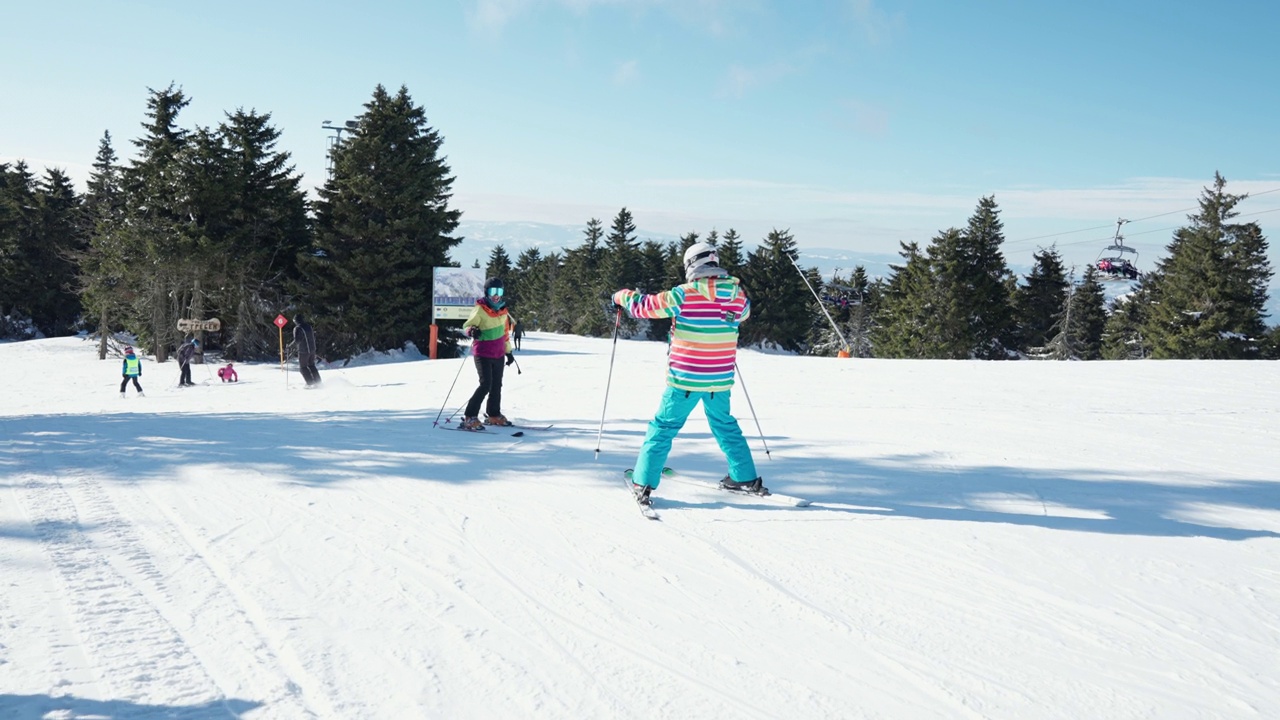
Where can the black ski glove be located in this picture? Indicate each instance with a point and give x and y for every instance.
(472, 331)
(510, 359)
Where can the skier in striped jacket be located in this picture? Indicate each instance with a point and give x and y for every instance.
(706, 312)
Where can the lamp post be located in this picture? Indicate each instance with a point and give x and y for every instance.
(336, 138)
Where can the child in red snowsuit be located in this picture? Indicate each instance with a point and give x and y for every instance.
(228, 373)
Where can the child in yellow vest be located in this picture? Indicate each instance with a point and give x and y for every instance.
(132, 370)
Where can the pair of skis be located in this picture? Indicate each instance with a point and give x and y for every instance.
(519, 428)
(669, 473)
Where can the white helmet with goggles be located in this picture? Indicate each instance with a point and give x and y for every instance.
(700, 261)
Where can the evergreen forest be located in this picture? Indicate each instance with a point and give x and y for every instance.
(213, 222)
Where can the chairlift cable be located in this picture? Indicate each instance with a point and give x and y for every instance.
(1141, 219)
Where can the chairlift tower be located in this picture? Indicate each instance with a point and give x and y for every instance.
(336, 138)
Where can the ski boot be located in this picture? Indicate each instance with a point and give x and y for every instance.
(472, 424)
(497, 420)
(642, 494)
(640, 491)
(751, 487)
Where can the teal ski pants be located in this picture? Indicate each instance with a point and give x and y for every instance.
(674, 410)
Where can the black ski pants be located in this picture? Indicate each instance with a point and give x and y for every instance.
(307, 366)
(125, 383)
(184, 377)
(490, 371)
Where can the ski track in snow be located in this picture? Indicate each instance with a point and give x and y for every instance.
(899, 660)
(135, 618)
(608, 703)
(914, 672)
(119, 626)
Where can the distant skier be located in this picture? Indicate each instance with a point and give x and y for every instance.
(132, 370)
(228, 373)
(489, 328)
(700, 367)
(517, 334)
(185, 355)
(305, 339)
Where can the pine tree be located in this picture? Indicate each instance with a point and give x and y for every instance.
(729, 250)
(906, 321)
(621, 265)
(1271, 344)
(499, 265)
(781, 313)
(255, 253)
(19, 242)
(156, 231)
(383, 222)
(950, 330)
(653, 275)
(8, 251)
(55, 297)
(1209, 294)
(528, 286)
(1039, 304)
(105, 263)
(1089, 308)
(580, 292)
(974, 289)
(1077, 331)
(1123, 337)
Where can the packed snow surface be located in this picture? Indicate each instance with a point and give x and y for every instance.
(985, 540)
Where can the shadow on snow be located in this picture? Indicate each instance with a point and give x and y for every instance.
(34, 707)
(326, 448)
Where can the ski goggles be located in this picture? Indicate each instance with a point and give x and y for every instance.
(495, 291)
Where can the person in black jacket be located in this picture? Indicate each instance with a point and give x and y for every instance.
(517, 334)
(185, 354)
(305, 339)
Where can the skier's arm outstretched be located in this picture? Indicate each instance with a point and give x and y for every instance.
(661, 305)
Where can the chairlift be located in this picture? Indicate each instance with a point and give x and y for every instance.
(1118, 262)
(841, 296)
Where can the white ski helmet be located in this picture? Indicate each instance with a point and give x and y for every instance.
(700, 260)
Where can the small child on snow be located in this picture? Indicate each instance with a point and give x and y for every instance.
(132, 370)
(228, 373)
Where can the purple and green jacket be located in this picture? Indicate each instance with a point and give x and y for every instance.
(494, 340)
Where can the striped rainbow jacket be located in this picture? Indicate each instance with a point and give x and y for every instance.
(704, 335)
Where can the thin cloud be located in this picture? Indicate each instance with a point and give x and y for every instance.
(626, 73)
(740, 80)
(717, 184)
(867, 118)
(1136, 197)
(714, 16)
(493, 15)
(878, 26)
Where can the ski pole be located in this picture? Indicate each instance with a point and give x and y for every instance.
(747, 395)
(518, 370)
(617, 325)
(821, 307)
(454, 414)
(446, 395)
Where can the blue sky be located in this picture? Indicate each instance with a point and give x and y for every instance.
(854, 123)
